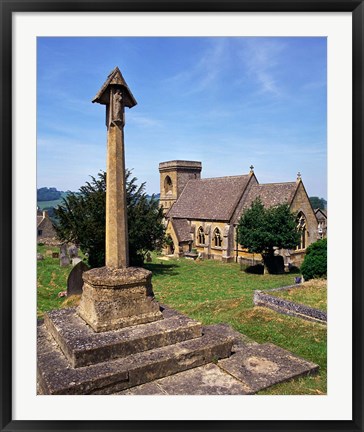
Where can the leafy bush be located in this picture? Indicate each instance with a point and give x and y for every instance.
(315, 263)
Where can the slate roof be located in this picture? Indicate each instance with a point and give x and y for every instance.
(182, 229)
(271, 194)
(323, 212)
(210, 199)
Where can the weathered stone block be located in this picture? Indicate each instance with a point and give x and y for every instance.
(118, 298)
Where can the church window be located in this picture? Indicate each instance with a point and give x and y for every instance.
(201, 236)
(302, 228)
(168, 185)
(216, 239)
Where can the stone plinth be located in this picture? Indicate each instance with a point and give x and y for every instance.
(82, 346)
(117, 298)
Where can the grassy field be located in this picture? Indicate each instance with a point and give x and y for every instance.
(213, 292)
(312, 293)
(54, 203)
(51, 279)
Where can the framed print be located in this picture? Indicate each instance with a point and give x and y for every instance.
(272, 89)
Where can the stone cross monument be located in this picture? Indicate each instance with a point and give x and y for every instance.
(117, 295)
(115, 94)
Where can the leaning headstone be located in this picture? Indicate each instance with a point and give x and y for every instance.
(73, 251)
(76, 260)
(74, 281)
(63, 250)
(64, 261)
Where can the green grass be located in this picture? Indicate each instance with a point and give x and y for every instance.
(51, 279)
(312, 293)
(213, 292)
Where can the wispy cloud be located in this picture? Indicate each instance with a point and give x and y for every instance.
(143, 121)
(261, 60)
(207, 70)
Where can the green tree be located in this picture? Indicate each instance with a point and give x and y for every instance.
(48, 194)
(261, 230)
(317, 202)
(81, 220)
(315, 263)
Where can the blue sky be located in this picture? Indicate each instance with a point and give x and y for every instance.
(227, 102)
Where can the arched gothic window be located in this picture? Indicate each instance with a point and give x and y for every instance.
(216, 239)
(302, 228)
(201, 236)
(168, 185)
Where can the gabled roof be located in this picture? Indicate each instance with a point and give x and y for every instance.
(114, 78)
(182, 229)
(210, 199)
(320, 214)
(39, 219)
(271, 194)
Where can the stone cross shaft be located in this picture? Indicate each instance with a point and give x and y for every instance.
(116, 95)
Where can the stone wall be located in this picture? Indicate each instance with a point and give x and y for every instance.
(286, 307)
(45, 229)
(301, 203)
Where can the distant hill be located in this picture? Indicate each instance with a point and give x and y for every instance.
(47, 204)
(42, 204)
(48, 194)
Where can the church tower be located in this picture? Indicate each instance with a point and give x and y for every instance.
(174, 176)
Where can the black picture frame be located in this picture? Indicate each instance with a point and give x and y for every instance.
(7, 9)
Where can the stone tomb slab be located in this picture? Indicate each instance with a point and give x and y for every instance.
(82, 346)
(55, 376)
(261, 366)
(204, 380)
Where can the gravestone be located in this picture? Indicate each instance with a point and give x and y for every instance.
(75, 281)
(149, 257)
(55, 254)
(63, 250)
(76, 260)
(73, 251)
(64, 260)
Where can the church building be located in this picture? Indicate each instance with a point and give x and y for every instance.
(202, 214)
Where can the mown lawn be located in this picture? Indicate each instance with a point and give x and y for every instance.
(51, 280)
(312, 293)
(213, 292)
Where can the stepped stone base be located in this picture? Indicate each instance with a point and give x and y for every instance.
(82, 346)
(62, 347)
(118, 298)
(174, 356)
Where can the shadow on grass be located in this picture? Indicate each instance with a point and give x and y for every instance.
(162, 269)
